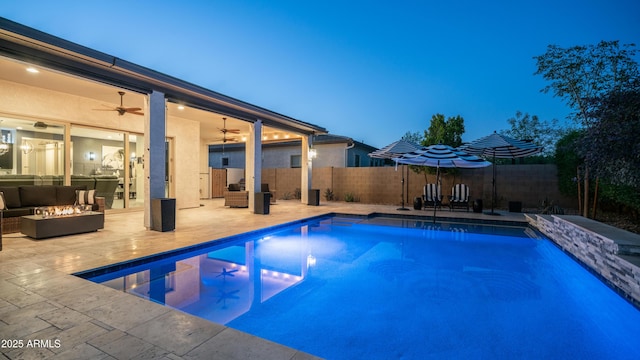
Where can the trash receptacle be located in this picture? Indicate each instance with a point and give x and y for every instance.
(261, 204)
(163, 214)
(314, 197)
(477, 206)
(417, 203)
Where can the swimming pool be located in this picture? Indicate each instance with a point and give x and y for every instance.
(355, 288)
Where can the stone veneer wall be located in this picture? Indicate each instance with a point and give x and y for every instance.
(601, 254)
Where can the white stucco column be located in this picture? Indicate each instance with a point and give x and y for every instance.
(305, 171)
(154, 151)
(253, 166)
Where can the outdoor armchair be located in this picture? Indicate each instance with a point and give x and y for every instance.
(459, 197)
(432, 195)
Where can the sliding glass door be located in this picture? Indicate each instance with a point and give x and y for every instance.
(112, 161)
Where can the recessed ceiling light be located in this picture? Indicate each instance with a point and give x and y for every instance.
(180, 107)
(33, 70)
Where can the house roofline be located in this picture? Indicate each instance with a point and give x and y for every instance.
(28, 44)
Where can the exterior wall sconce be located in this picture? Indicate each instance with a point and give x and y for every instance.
(92, 155)
(312, 153)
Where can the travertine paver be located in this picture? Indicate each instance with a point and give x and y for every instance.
(28, 312)
(18, 296)
(88, 297)
(57, 283)
(39, 300)
(232, 344)
(187, 332)
(127, 312)
(64, 318)
(77, 335)
(131, 347)
(82, 352)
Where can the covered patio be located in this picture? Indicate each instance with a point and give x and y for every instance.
(39, 299)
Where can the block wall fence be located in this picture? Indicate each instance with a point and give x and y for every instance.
(529, 184)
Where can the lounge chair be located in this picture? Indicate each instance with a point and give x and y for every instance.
(431, 196)
(459, 197)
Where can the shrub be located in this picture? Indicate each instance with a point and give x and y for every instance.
(328, 194)
(349, 197)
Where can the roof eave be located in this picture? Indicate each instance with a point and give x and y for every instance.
(28, 44)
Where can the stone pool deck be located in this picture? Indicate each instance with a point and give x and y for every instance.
(46, 313)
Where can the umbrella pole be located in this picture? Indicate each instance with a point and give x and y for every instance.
(402, 208)
(437, 182)
(493, 186)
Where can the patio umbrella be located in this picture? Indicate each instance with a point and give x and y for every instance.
(441, 156)
(392, 151)
(500, 147)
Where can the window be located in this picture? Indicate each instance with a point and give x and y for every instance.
(32, 151)
(296, 161)
(225, 161)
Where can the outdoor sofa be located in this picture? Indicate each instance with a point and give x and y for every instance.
(23, 200)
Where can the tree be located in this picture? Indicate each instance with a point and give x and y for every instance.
(612, 151)
(413, 137)
(540, 132)
(441, 131)
(611, 147)
(446, 132)
(582, 73)
(568, 160)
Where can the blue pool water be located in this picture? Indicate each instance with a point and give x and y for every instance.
(382, 288)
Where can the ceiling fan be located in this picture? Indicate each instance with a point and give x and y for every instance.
(224, 132)
(123, 110)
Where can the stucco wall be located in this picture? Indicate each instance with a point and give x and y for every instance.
(186, 160)
(278, 157)
(330, 155)
(530, 184)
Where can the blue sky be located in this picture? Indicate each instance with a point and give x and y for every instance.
(370, 70)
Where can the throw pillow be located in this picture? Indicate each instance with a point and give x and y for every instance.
(85, 197)
(3, 204)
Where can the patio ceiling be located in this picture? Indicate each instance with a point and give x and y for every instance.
(210, 123)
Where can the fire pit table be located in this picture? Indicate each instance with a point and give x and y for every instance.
(41, 227)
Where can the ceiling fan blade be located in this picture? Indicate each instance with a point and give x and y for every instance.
(133, 109)
(135, 112)
(105, 109)
(233, 131)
